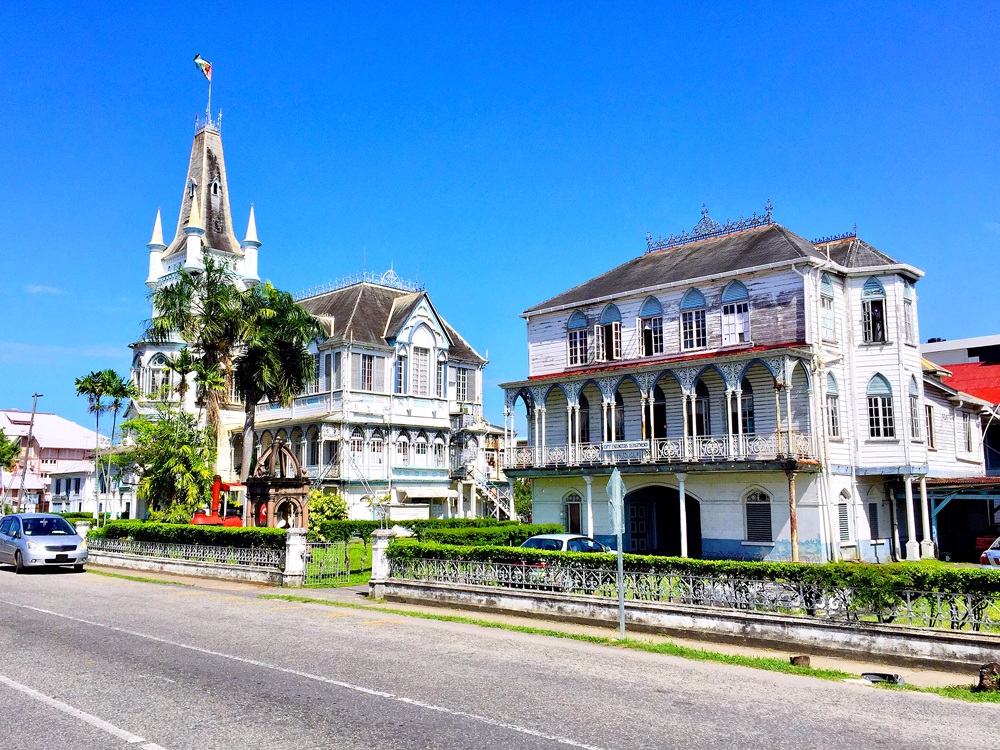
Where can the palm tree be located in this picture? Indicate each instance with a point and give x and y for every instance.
(208, 379)
(206, 309)
(183, 364)
(92, 386)
(274, 362)
(120, 390)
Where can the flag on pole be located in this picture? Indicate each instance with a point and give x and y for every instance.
(204, 66)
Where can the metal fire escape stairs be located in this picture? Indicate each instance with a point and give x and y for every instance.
(499, 499)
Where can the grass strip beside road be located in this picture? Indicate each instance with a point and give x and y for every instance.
(136, 578)
(771, 664)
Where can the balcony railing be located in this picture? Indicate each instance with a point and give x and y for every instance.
(752, 447)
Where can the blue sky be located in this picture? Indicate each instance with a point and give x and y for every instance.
(500, 155)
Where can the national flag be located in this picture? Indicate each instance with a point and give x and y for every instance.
(204, 66)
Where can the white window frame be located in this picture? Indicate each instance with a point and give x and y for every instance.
(929, 421)
(868, 321)
(600, 342)
(314, 385)
(910, 322)
(915, 417)
(655, 325)
(438, 453)
(844, 520)
(833, 415)
(736, 323)
(462, 384)
(400, 374)
(421, 371)
(828, 319)
(577, 346)
(402, 451)
(969, 442)
(694, 330)
(757, 498)
(367, 372)
(881, 419)
(442, 379)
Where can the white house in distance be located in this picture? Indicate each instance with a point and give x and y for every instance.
(395, 409)
(774, 383)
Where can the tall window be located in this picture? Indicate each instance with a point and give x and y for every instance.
(313, 386)
(914, 409)
(572, 512)
(438, 453)
(702, 410)
(650, 324)
(421, 371)
(584, 416)
(402, 451)
(364, 372)
(735, 314)
(746, 400)
(909, 313)
(461, 384)
(608, 335)
(969, 433)
(873, 312)
(577, 338)
(693, 331)
(844, 516)
(832, 406)
(400, 374)
(420, 451)
(377, 446)
(873, 526)
(828, 323)
(929, 420)
(758, 516)
(880, 420)
(312, 453)
(337, 372)
(442, 379)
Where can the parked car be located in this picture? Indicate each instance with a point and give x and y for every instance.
(991, 556)
(563, 543)
(29, 540)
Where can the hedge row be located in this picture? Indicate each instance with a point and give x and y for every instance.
(337, 531)
(509, 536)
(872, 581)
(79, 516)
(183, 533)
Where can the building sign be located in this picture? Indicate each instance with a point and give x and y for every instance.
(626, 445)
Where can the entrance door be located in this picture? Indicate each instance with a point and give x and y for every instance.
(639, 518)
(654, 522)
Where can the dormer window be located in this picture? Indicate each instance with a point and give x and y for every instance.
(735, 314)
(576, 338)
(650, 324)
(215, 187)
(873, 312)
(693, 331)
(192, 186)
(608, 335)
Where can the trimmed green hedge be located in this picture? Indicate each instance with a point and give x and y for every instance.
(337, 531)
(79, 516)
(183, 533)
(510, 536)
(874, 583)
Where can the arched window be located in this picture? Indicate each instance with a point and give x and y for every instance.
(438, 451)
(734, 292)
(619, 416)
(420, 450)
(608, 335)
(693, 331)
(914, 408)
(659, 413)
(832, 406)
(650, 327)
(584, 417)
(844, 515)
(357, 443)
(403, 450)
(828, 324)
(265, 441)
(297, 444)
(758, 517)
(873, 312)
(215, 187)
(576, 338)
(572, 505)
(747, 414)
(377, 448)
(909, 313)
(735, 314)
(702, 410)
(880, 419)
(313, 443)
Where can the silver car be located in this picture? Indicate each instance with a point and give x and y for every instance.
(29, 540)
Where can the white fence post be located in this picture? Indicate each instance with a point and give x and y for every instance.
(82, 527)
(295, 558)
(381, 538)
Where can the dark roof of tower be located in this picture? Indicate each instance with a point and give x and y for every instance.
(852, 252)
(207, 168)
(372, 314)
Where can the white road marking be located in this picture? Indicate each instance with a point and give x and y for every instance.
(346, 685)
(122, 734)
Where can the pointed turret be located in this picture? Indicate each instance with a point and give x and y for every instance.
(195, 232)
(250, 245)
(156, 248)
(194, 218)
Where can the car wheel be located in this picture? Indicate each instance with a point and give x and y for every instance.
(78, 568)
(18, 563)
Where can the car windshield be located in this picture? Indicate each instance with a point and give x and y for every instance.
(996, 544)
(549, 545)
(47, 527)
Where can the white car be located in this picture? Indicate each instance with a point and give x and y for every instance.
(991, 557)
(564, 543)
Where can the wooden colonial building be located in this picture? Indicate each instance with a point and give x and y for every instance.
(774, 383)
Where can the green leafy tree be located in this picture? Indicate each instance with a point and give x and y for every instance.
(174, 457)
(9, 451)
(522, 499)
(119, 391)
(92, 386)
(182, 365)
(274, 362)
(325, 506)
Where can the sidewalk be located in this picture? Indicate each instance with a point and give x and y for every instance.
(356, 595)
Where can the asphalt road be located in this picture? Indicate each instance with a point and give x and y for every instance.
(89, 662)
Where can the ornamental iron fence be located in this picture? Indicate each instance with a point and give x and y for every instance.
(327, 564)
(975, 612)
(257, 557)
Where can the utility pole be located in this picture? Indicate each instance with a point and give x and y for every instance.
(27, 449)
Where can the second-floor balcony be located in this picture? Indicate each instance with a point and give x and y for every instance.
(749, 448)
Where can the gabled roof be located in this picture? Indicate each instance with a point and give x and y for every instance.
(752, 248)
(372, 314)
(50, 430)
(979, 379)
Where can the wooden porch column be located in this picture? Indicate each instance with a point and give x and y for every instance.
(683, 514)
(927, 545)
(694, 425)
(544, 457)
(538, 455)
(788, 416)
(590, 505)
(793, 518)
(729, 423)
(642, 411)
(605, 431)
(614, 420)
(684, 421)
(569, 432)
(739, 422)
(577, 410)
(912, 546)
(777, 416)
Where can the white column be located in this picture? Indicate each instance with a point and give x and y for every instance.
(694, 425)
(912, 547)
(590, 505)
(684, 422)
(538, 454)
(544, 457)
(472, 499)
(729, 422)
(739, 422)
(295, 557)
(683, 514)
(927, 545)
(642, 420)
(605, 431)
(788, 414)
(777, 415)
(614, 420)
(576, 409)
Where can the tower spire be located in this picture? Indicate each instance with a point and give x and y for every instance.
(194, 219)
(251, 229)
(157, 238)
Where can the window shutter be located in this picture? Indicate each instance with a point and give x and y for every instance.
(328, 372)
(378, 364)
(336, 371)
(759, 522)
(356, 372)
(472, 386)
(616, 332)
(639, 348)
(599, 343)
(873, 520)
(845, 523)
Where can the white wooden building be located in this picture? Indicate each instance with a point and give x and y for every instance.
(395, 410)
(774, 382)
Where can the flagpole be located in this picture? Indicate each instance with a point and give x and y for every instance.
(208, 109)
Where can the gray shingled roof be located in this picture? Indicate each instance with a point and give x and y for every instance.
(362, 312)
(855, 253)
(733, 252)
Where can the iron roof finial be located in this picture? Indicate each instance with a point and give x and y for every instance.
(708, 228)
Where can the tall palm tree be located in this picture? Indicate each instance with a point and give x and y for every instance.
(274, 361)
(208, 379)
(206, 309)
(183, 364)
(120, 390)
(92, 386)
